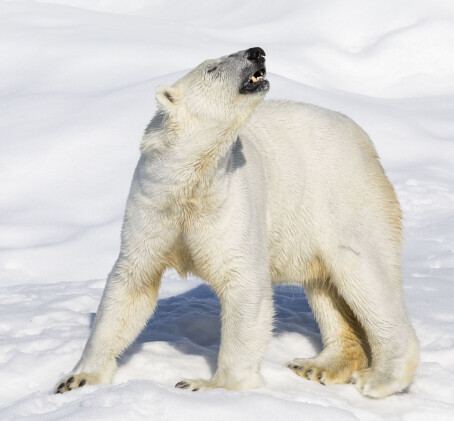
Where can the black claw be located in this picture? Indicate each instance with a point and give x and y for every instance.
(319, 376)
(308, 372)
(82, 383)
(195, 390)
(351, 380)
(69, 381)
(182, 385)
(60, 386)
(296, 367)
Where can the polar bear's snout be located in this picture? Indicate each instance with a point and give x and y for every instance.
(255, 54)
(254, 75)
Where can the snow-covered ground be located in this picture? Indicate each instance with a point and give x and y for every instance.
(77, 80)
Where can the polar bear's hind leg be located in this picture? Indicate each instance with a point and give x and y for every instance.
(373, 291)
(346, 349)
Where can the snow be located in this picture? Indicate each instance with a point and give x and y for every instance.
(77, 84)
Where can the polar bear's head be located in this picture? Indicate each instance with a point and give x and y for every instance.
(218, 93)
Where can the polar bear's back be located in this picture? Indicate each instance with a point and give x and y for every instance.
(307, 128)
(323, 178)
(325, 148)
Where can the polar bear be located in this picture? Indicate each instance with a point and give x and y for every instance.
(246, 194)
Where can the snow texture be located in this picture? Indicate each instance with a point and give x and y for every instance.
(77, 81)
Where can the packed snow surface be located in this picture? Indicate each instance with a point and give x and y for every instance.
(77, 81)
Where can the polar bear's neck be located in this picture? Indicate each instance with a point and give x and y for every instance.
(200, 163)
(192, 169)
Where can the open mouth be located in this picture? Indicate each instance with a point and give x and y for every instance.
(258, 76)
(256, 82)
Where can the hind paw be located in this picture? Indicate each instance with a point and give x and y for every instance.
(325, 371)
(376, 384)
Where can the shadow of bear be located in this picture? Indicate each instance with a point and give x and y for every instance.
(191, 322)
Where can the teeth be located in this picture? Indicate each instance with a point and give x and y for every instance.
(260, 77)
(256, 79)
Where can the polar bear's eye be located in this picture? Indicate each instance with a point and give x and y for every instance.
(212, 69)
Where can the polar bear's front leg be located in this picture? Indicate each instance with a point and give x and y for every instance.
(129, 298)
(247, 313)
(126, 305)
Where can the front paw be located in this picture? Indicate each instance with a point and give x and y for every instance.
(195, 385)
(231, 380)
(75, 381)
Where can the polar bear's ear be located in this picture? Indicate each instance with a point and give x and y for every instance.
(166, 96)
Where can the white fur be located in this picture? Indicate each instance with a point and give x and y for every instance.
(245, 194)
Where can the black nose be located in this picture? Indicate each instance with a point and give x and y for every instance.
(255, 54)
